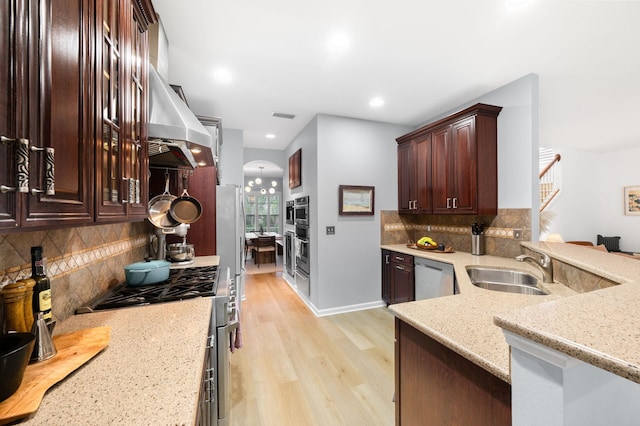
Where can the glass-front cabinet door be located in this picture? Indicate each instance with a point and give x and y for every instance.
(122, 167)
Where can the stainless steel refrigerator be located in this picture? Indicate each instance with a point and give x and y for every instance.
(230, 232)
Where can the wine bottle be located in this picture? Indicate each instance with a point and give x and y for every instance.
(42, 288)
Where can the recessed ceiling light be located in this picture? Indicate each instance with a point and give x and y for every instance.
(222, 75)
(376, 102)
(517, 4)
(270, 136)
(338, 42)
(195, 150)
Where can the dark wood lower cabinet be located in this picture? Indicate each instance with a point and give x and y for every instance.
(436, 386)
(397, 277)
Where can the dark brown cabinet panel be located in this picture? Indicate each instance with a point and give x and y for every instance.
(397, 277)
(463, 178)
(46, 82)
(436, 386)
(414, 174)
(455, 175)
(9, 202)
(60, 113)
(121, 101)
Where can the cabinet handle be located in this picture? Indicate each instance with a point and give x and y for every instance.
(386, 259)
(22, 165)
(448, 203)
(132, 190)
(400, 259)
(455, 203)
(49, 171)
(400, 267)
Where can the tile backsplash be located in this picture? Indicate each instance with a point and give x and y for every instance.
(455, 230)
(82, 262)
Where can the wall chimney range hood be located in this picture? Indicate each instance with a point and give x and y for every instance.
(176, 136)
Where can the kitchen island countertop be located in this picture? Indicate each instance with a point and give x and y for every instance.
(580, 325)
(150, 373)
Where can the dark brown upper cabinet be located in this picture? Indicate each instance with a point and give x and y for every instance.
(414, 175)
(122, 190)
(463, 163)
(51, 112)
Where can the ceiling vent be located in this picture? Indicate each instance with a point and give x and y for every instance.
(283, 115)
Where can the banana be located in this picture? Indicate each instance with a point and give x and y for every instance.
(426, 241)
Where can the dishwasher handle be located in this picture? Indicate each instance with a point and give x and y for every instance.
(424, 265)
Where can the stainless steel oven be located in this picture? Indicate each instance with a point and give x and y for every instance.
(301, 210)
(303, 259)
(290, 211)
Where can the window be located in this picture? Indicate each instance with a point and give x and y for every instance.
(263, 213)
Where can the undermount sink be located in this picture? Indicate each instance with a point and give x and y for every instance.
(506, 280)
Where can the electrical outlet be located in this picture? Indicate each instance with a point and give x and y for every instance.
(517, 234)
(331, 230)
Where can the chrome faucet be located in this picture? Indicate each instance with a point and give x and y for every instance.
(543, 263)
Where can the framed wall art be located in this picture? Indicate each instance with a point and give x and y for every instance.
(632, 200)
(356, 200)
(295, 169)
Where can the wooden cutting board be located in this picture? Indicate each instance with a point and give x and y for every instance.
(74, 349)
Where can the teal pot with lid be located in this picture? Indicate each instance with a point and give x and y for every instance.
(147, 272)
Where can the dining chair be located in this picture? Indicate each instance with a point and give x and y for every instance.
(248, 247)
(264, 247)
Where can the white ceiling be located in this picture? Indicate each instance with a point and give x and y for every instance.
(423, 57)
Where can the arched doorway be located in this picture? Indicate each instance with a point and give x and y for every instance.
(263, 197)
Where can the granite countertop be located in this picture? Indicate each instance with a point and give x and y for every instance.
(149, 374)
(601, 327)
(470, 323)
(464, 322)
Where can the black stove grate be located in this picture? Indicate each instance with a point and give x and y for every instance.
(182, 284)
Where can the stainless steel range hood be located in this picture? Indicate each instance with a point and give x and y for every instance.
(176, 136)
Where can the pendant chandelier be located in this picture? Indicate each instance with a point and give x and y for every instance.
(256, 184)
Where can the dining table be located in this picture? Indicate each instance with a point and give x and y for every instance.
(250, 236)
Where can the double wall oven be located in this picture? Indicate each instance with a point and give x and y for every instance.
(303, 245)
(187, 282)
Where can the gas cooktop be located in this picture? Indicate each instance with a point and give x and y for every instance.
(184, 283)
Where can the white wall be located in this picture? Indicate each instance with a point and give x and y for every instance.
(345, 267)
(352, 152)
(272, 155)
(231, 157)
(591, 197)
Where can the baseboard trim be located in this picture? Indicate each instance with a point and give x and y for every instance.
(330, 311)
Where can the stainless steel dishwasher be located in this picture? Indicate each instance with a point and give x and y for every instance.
(433, 278)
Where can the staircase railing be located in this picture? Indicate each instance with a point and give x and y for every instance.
(548, 182)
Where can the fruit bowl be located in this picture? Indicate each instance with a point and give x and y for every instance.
(430, 248)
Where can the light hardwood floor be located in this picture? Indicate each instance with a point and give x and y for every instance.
(298, 369)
